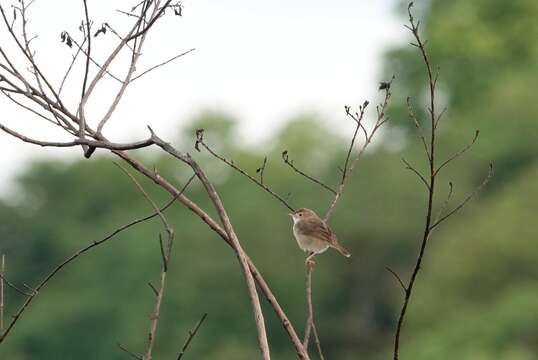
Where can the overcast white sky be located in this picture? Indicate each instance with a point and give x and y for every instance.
(260, 61)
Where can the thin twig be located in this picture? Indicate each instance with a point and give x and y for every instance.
(397, 277)
(289, 162)
(459, 153)
(165, 259)
(161, 64)
(232, 236)
(318, 343)
(95, 243)
(2, 273)
(429, 224)
(413, 169)
(349, 164)
(200, 141)
(129, 352)
(466, 200)
(192, 334)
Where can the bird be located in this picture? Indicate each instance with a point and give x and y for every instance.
(313, 235)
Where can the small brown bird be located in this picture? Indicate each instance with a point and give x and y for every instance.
(313, 235)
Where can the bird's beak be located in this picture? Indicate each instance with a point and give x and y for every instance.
(290, 214)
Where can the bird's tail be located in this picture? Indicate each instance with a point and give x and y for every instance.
(341, 249)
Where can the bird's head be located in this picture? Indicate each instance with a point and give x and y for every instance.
(302, 213)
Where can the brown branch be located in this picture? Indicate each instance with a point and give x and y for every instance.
(136, 53)
(129, 352)
(79, 141)
(289, 162)
(81, 49)
(69, 68)
(310, 326)
(2, 273)
(151, 22)
(165, 259)
(349, 163)
(413, 169)
(466, 200)
(192, 334)
(459, 153)
(27, 54)
(431, 185)
(429, 224)
(223, 215)
(417, 126)
(230, 163)
(95, 243)
(161, 64)
(318, 343)
(13, 286)
(397, 277)
(88, 37)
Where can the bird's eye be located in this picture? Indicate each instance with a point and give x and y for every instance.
(300, 214)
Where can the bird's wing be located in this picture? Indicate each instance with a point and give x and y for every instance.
(317, 228)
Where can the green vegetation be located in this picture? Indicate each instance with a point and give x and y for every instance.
(477, 297)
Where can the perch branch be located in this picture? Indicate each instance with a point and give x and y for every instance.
(192, 334)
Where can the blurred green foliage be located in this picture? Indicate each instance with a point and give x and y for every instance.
(476, 297)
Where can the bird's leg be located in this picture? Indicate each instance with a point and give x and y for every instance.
(310, 259)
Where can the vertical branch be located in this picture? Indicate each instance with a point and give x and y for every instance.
(3, 273)
(166, 252)
(192, 334)
(310, 312)
(231, 235)
(431, 183)
(88, 37)
(310, 328)
(358, 117)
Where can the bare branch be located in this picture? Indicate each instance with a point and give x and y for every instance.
(417, 125)
(466, 200)
(95, 243)
(231, 235)
(289, 162)
(459, 153)
(2, 273)
(129, 352)
(429, 224)
(152, 21)
(192, 334)
(200, 141)
(413, 169)
(165, 258)
(161, 64)
(349, 164)
(213, 225)
(93, 143)
(397, 277)
(12, 285)
(261, 170)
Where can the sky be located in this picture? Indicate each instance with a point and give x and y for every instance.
(262, 62)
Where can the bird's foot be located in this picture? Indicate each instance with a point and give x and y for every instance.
(310, 260)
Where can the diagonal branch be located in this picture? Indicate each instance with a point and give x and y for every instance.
(349, 163)
(459, 153)
(166, 253)
(75, 255)
(231, 235)
(192, 334)
(289, 162)
(466, 200)
(230, 163)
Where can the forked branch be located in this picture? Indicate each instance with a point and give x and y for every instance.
(430, 181)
